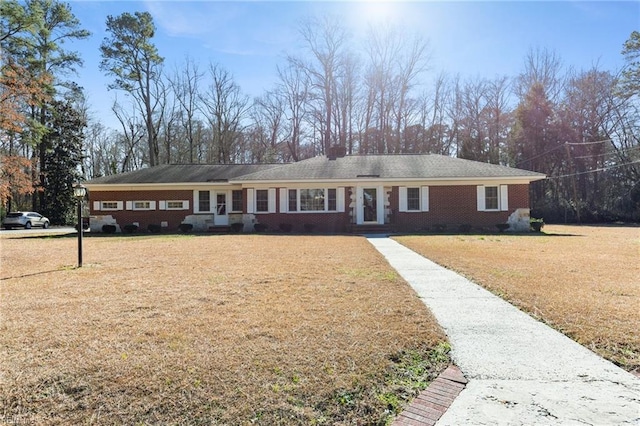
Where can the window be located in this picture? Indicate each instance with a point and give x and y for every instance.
(175, 205)
(204, 201)
(293, 200)
(236, 200)
(332, 201)
(311, 200)
(262, 200)
(491, 198)
(109, 205)
(413, 198)
(141, 205)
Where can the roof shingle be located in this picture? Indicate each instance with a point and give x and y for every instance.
(401, 166)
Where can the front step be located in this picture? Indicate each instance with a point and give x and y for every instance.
(371, 229)
(219, 229)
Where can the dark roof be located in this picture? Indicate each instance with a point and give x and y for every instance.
(184, 173)
(401, 166)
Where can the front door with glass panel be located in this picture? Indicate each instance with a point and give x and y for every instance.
(221, 218)
(370, 205)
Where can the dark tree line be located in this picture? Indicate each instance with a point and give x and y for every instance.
(371, 96)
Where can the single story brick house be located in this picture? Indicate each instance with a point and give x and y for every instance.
(404, 193)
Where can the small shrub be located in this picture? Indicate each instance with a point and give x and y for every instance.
(286, 227)
(309, 227)
(185, 227)
(154, 228)
(502, 226)
(109, 229)
(237, 227)
(130, 228)
(536, 225)
(465, 228)
(260, 227)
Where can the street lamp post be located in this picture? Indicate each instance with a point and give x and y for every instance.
(79, 191)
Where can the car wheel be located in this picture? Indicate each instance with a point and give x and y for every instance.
(27, 225)
(45, 225)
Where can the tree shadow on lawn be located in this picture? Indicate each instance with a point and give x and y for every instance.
(33, 274)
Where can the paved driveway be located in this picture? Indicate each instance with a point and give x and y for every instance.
(53, 230)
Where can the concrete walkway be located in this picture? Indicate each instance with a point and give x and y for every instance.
(520, 371)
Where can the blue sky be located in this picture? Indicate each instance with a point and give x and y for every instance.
(474, 39)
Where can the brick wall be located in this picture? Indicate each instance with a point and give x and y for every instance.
(448, 205)
(454, 206)
(144, 217)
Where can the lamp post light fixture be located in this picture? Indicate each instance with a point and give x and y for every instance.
(79, 191)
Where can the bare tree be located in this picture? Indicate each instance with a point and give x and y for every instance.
(225, 107)
(293, 87)
(268, 128)
(395, 65)
(185, 84)
(129, 140)
(324, 39)
(499, 119)
(541, 67)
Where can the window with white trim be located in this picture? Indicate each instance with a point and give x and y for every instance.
(204, 201)
(493, 198)
(293, 200)
(413, 199)
(311, 200)
(110, 205)
(176, 205)
(332, 200)
(236, 200)
(262, 200)
(142, 205)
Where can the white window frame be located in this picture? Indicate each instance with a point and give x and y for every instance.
(252, 202)
(284, 200)
(231, 210)
(196, 202)
(403, 204)
(131, 205)
(100, 206)
(164, 205)
(503, 198)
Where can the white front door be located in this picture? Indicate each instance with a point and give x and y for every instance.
(369, 205)
(221, 218)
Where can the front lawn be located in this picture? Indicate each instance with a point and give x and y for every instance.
(237, 329)
(581, 280)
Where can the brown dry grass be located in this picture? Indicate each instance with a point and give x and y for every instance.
(582, 280)
(205, 330)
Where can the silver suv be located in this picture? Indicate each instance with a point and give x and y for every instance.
(24, 220)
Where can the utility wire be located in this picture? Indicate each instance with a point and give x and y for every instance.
(588, 143)
(562, 146)
(595, 170)
(633, 148)
(540, 155)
